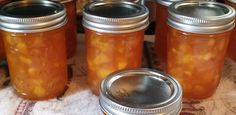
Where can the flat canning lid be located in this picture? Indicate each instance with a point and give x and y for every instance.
(202, 17)
(166, 2)
(115, 17)
(140, 92)
(32, 16)
(232, 1)
(134, 1)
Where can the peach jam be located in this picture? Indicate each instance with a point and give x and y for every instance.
(35, 47)
(114, 34)
(161, 28)
(197, 41)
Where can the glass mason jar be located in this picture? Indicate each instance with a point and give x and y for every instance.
(2, 50)
(35, 47)
(231, 52)
(197, 41)
(114, 34)
(140, 92)
(160, 44)
(71, 26)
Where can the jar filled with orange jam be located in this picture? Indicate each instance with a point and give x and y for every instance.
(231, 52)
(114, 33)
(161, 32)
(35, 47)
(71, 26)
(197, 41)
(2, 50)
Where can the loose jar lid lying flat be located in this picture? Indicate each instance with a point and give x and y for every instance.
(140, 92)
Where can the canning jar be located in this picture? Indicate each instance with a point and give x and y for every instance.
(114, 33)
(71, 26)
(160, 43)
(231, 52)
(35, 47)
(2, 50)
(140, 91)
(197, 41)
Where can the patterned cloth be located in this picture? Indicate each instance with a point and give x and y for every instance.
(79, 100)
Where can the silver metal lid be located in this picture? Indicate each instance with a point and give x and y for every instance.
(115, 17)
(134, 1)
(32, 16)
(232, 1)
(169, 2)
(140, 92)
(63, 1)
(166, 2)
(201, 17)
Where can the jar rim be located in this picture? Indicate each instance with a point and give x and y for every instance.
(107, 17)
(114, 99)
(202, 17)
(51, 15)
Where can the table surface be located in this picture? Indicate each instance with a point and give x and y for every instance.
(79, 100)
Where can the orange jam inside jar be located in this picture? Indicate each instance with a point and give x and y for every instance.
(197, 42)
(35, 47)
(231, 52)
(114, 38)
(2, 50)
(160, 44)
(71, 27)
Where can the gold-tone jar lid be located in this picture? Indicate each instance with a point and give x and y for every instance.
(201, 17)
(115, 17)
(140, 92)
(29, 16)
